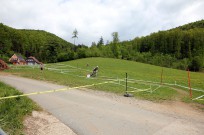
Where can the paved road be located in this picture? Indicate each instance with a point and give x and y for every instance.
(89, 113)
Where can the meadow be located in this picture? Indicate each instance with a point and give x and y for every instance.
(144, 80)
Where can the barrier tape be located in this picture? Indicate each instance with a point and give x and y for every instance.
(199, 98)
(51, 91)
(135, 89)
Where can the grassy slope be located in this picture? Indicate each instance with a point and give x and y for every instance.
(12, 111)
(115, 68)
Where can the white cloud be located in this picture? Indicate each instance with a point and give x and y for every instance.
(96, 18)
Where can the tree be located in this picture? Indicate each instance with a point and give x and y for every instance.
(115, 45)
(93, 44)
(196, 64)
(100, 43)
(75, 33)
(115, 37)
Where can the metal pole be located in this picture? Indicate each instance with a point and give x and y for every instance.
(126, 92)
(126, 83)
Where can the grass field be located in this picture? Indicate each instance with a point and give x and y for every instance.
(13, 111)
(143, 79)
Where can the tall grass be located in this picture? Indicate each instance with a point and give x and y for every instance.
(13, 111)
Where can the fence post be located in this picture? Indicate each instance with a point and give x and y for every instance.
(126, 83)
(126, 93)
(162, 76)
(189, 84)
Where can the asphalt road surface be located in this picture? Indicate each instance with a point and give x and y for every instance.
(89, 112)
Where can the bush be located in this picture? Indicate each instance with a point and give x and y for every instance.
(196, 64)
(181, 64)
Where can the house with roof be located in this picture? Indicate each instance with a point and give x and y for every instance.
(17, 60)
(32, 61)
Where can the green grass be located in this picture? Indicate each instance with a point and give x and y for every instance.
(13, 111)
(116, 69)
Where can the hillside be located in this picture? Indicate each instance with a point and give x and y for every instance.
(197, 24)
(140, 77)
(45, 46)
(180, 48)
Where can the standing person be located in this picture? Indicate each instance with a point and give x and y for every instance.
(41, 66)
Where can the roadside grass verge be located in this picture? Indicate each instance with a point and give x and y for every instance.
(73, 73)
(13, 111)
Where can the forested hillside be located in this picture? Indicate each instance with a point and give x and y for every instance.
(45, 46)
(197, 24)
(181, 47)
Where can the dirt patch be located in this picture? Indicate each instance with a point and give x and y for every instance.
(43, 123)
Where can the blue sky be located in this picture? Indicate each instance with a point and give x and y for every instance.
(96, 18)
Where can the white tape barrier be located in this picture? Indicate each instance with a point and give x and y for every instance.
(188, 88)
(168, 84)
(144, 83)
(67, 71)
(135, 89)
(198, 98)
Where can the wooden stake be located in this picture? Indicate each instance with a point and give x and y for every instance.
(162, 76)
(189, 84)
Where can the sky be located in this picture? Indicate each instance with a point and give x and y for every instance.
(95, 18)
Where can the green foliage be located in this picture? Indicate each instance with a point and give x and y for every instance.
(14, 110)
(43, 45)
(100, 42)
(175, 48)
(181, 64)
(197, 24)
(115, 37)
(196, 64)
(75, 35)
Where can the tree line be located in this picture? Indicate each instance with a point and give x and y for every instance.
(181, 47)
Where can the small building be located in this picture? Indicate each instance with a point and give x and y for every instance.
(17, 59)
(32, 61)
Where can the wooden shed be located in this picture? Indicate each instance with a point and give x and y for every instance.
(32, 61)
(17, 59)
